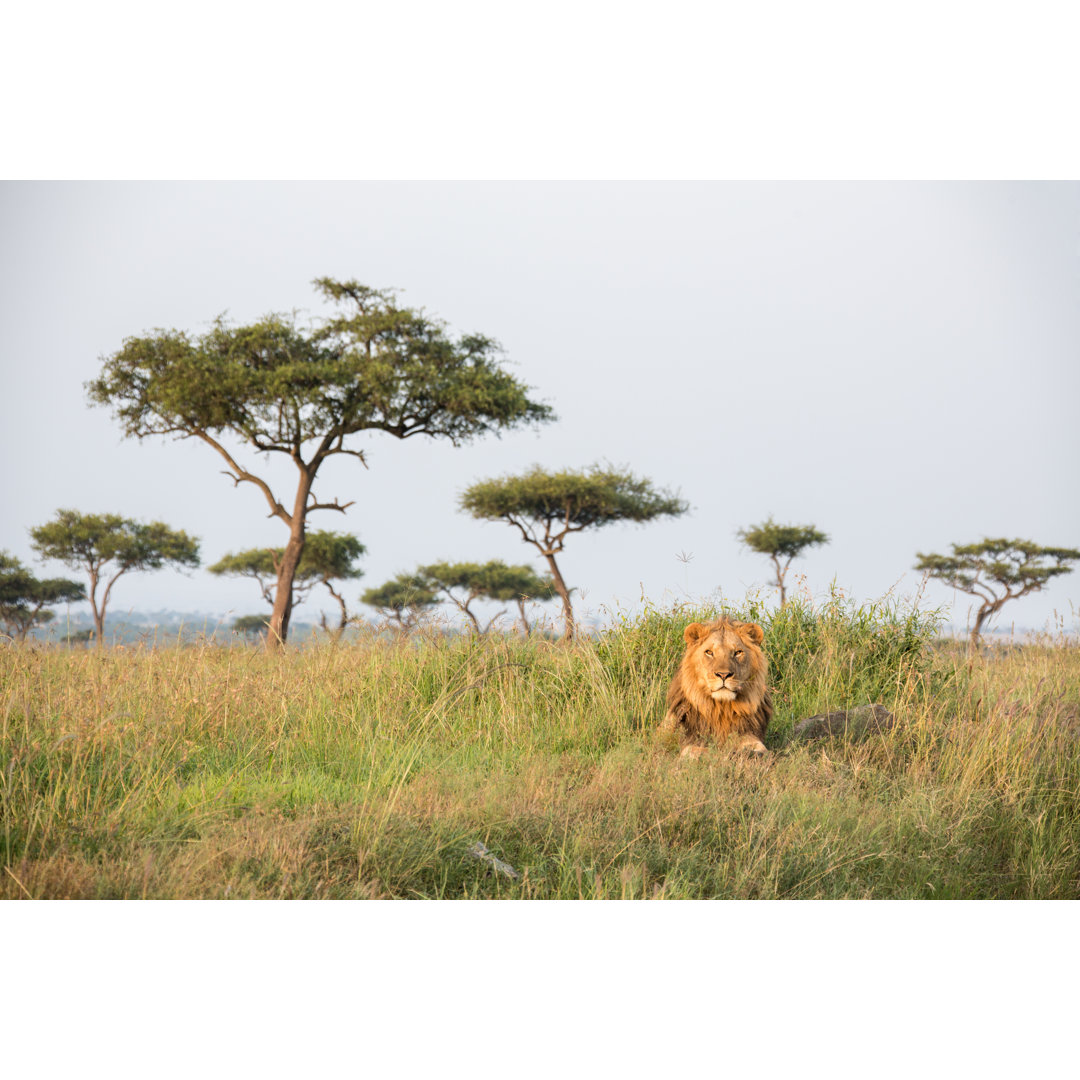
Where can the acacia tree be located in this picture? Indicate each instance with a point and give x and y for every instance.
(404, 600)
(94, 542)
(546, 507)
(785, 542)
(251, 626)
(520, 584)
(327, 557)
(281, 389)
(25, 600)
(997, 571)
(462, 583)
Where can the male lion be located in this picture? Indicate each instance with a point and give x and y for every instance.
(719, 690)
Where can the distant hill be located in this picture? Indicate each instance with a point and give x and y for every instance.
(132, 627)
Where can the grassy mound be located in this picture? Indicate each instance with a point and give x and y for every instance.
(371, 769)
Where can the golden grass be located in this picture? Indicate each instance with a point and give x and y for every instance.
(368, 770)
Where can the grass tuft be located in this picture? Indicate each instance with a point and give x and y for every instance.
(369, 770)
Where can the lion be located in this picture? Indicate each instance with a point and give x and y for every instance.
(720, 691)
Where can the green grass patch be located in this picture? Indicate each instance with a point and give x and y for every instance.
(370, 769)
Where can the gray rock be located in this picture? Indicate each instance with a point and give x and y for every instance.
(862, 720)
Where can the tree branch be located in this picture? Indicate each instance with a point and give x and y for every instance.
(335, 505)
(239, 476)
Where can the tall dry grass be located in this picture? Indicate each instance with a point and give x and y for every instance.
(370, 770)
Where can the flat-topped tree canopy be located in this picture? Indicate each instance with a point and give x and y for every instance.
(996, 570)
(25, 600)
(546, 507)
(550, 505)
(781, 542)
(327, 557)
(303, 392)
(94, 542)
(405, 599)
(464, 582)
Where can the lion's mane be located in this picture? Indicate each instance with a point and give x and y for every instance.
(692, 710)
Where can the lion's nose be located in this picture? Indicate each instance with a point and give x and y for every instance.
(724, 674)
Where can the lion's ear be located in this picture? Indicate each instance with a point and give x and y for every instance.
(753, 632)
(694, 632)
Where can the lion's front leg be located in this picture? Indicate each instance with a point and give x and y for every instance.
(751, 744)
(692, 751)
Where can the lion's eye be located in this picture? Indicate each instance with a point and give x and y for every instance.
(708, 652)
(738, 654)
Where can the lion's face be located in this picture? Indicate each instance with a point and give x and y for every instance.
(725, 657)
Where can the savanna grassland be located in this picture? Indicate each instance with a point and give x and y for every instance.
(370, 769)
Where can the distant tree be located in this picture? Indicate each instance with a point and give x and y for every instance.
(92, 542)
(25, 600)
(404, 600)
(251, 626)
(547, 506)
(997, 571)
(521, 584)
(781, 542)
(327, 557)
(464, 582)
(375, 366)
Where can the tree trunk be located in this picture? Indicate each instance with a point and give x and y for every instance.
(564, 595)
(336, 635)
(278, 630)
(524, 621)
(780, 575)
(985, 612)
(99, 614)
(475, 621)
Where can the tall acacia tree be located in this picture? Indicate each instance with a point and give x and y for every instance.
(108, 546)
(997, 571)
(781, 542)
(25, 600)
(327, 557)
(303, 393)
(546, 507)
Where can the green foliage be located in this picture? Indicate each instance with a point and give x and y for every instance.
(546, 507)
(372, 769)
(90, 541)
(373, 366)
(25, 600)
(252, 626)
(465, 582)
(1018, 566)
(569, 500)
(997, 570)
(327, 556)
(404, 599)
(837, 655)
(784, 541)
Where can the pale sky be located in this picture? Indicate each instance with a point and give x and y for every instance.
(896, 363)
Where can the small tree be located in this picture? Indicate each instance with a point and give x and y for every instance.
(327, 557)
(404, 600)
(462, 583)
(520, 584)
(547, 506)
(304, 393)
(781, 542)
(252, 627)
(996, 571)
(92, 542)
(25, 600)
